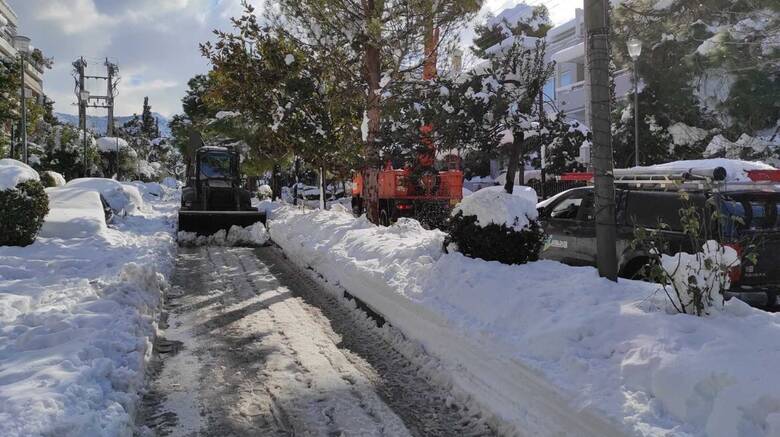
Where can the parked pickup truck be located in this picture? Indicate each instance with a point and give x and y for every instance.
(751, 213)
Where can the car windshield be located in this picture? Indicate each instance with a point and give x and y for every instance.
(215, 165)
(751, 212)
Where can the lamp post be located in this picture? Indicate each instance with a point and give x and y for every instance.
(634, 50)
(84, 97)
(22, 45)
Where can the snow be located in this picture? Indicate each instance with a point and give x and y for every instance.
(550, 349)
(111, 144)
(364, 126)
(254, 235)
(702, 270)
(289, 59)
(59, 180)
(13, 173)
(148, 190)
(493, 205)
(77, 319)
(221, 115)
(171, 182)
(74, 213)
(736, 170)
(682, 134)
(123, 198)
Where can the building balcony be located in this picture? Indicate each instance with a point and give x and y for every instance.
(572, 99)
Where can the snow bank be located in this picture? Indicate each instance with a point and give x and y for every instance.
(494, 205)
(77, 320)
(122, 198)
(73, 213)
(736, 170)
(255, 235)
(111, 144)
(148, 190)
(13, 173)
(547, 348)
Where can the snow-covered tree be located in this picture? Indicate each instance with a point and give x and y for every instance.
(708, 67)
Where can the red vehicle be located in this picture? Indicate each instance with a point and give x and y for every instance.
(419, 192)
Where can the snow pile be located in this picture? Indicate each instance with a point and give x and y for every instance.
(736, 170)
(547, 348)
(73, 213)
(111, 144)
(122, 198)
(13, 173)
(254, 235)
(148, 190)
(77, 320)
(494, 205)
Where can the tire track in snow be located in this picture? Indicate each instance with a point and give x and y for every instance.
(253, 360)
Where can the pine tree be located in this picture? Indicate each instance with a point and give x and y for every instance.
(148, 120)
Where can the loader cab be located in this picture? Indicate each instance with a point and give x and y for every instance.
(217, 165)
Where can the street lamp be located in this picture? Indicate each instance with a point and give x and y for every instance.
(634, 50)
(84, 97)
(22, 45)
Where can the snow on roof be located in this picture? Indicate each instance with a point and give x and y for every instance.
(494, 205)
(111, 144)
(13, 172)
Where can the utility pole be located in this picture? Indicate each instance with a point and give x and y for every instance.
(79, 66)
(597, 24)
(25, 156)
(111, 71)
(542, 148)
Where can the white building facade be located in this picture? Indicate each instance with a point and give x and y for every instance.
(10, 42)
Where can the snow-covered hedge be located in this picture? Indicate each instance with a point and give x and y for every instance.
(23, 203)
(52, 179)
(497, 226)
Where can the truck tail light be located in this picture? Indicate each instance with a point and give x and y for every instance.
(735, 272)
(404, 206)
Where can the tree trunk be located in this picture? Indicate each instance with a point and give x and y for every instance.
(321, 182)
(372, 65)
(515, 161)
(275, 188)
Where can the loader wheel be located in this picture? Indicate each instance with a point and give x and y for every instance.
(384, 220)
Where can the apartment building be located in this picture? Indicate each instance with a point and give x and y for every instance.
(567, 91)
(11, 42)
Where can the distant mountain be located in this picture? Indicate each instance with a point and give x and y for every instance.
(100, 123)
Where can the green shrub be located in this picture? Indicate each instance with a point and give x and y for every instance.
(22, 211)
(494, 242)
(47, 180)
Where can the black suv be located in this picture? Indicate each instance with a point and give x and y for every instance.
(568, 220)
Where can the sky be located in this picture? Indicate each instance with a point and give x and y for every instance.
(154, 42)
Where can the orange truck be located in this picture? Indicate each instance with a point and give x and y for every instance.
(387, 194)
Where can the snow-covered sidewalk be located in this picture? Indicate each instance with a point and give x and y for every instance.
(550, 349)
(77, 316)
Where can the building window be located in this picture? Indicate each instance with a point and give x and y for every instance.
(566, 78)
(549, 91)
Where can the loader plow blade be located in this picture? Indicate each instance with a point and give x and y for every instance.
(209, 222)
